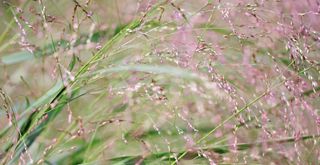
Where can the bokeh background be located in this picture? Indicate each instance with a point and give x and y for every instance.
(168, 87)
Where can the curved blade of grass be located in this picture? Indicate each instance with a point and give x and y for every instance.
(17, 57)
(50, 49)
(153, 69)
(219, 30)
(46, 98)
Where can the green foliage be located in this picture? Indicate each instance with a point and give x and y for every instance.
(169, 82)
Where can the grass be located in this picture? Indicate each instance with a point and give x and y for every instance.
(171, 82)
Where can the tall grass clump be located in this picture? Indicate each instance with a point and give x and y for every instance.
(159, 82)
